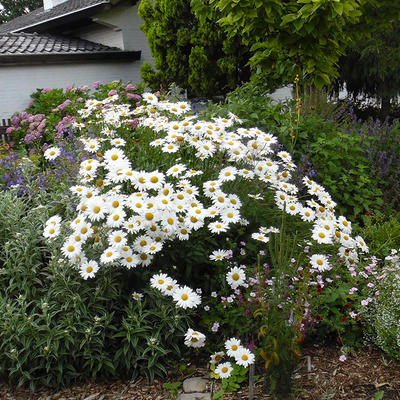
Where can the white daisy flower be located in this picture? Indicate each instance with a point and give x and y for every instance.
(71, 249)
(194, 338)
(224, 370)
(321, 235)
(54, 220)
(51, 231)
(320, 262)
(118, 142)
(88, 269)
(137, 296)
(218, 255)
(129, 259)
(260, 236)
(216, 357)
(360, 243)
(185, 297)
(232, 346)
(217, 227)
(109, 255)
(235, 277)
(150, 98)
(52, 153)
(244, 357)
(227, 174)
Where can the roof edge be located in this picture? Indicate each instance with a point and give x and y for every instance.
(21, 29)
(43, 59)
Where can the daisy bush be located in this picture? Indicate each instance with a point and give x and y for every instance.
(172, 195)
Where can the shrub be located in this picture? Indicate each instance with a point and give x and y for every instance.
(57, 329)
(149, 193)
(168, 197)
(382, 314)
(335, 150)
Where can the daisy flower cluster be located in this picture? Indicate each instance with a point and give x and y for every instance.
(233, 347)
(183, 296)
(52, 227)
(126, 214)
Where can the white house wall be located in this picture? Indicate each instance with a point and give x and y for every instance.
(127, 19)
(102, 34)
(19, 82)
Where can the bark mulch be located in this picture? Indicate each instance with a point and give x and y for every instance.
(319, 376)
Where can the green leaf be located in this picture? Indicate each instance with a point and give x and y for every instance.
(338, 7)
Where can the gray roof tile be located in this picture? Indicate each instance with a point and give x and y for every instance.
(40, 15)
(41, 44)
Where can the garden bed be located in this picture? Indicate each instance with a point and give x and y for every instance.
(364, 373)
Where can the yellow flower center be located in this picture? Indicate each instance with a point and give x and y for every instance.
(149, 216)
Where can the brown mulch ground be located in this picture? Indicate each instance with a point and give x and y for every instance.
(360, 377)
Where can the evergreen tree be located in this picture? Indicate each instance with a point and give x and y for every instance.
(11, 9)
(195, 55)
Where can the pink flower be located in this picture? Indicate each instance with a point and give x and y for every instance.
(96, 84)
(112, 92)
(44, 91)
(134, 122)
(342, 358)
(215, 327)
(353, 290)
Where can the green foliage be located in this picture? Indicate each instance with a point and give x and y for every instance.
(14, 8)
(233, 383)
(173, 389)
(57, 329)
(337, 156)
(290, 38)
(196, 55)
(382, 315)
(382, 232)
(341, 163)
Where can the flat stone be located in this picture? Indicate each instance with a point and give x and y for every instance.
(194, 396)
(196, 384)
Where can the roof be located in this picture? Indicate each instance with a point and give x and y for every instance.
(40, 15)
(16, 48)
